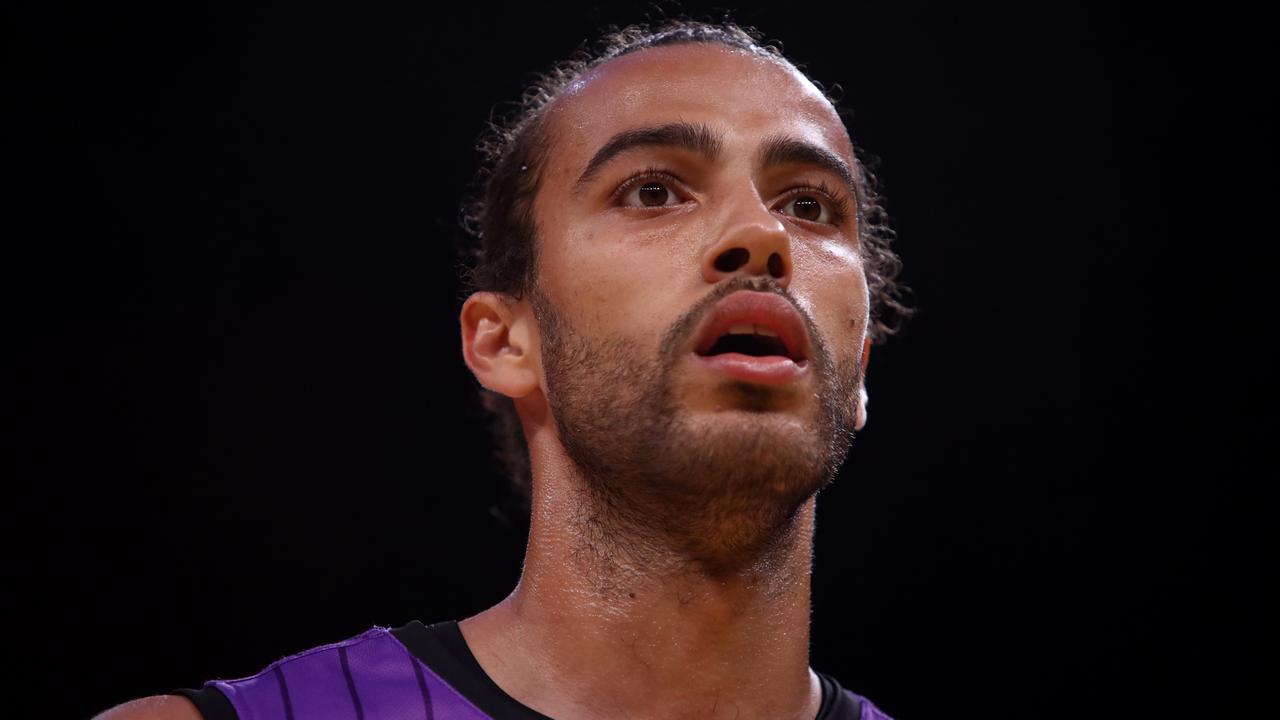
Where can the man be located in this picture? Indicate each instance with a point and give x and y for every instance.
(679, 278)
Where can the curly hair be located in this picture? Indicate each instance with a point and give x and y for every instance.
(499, 246)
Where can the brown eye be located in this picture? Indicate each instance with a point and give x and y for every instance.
(653, 194)
(649, 193)
(807, 207)
(650, 188)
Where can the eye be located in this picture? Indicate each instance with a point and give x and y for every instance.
(808, 207)
(649, 189)
(821, 204)
(650, 193)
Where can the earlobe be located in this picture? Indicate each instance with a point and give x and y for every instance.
(496, 345)
(860, 411)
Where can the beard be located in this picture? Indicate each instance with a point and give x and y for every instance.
(718, 488)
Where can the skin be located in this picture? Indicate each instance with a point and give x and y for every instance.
(156, 707)
(687, 596)
(618, 614)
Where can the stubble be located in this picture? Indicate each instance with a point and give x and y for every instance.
(718, 489)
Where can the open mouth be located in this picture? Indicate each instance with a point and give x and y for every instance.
(754, 337)
(751, 340)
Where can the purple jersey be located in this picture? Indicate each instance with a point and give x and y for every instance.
(414, 672)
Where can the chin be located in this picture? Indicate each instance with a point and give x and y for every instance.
(773, 456)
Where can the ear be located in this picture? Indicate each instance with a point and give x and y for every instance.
(860, 413)
(498, 343)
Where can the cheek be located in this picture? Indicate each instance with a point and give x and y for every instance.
(609, 286)
(831, 275)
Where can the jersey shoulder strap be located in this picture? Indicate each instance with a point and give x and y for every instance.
(368, 677)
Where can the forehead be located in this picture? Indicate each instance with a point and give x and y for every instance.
(733, 91)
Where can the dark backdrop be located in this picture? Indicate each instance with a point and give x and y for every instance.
(245, 429)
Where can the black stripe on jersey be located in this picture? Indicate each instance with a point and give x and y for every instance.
(422, 685)
(210, 701)
(284, 694)
(351, 683)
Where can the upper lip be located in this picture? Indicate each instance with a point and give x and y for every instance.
(765, 309)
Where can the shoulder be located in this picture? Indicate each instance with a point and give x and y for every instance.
(156, 707)
(285, 685)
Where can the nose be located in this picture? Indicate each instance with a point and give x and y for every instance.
(754, 242)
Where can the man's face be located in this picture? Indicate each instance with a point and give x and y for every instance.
(640, 257)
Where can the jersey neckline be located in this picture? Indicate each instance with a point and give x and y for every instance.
(442, 647)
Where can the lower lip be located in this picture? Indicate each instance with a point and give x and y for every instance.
(770, 370)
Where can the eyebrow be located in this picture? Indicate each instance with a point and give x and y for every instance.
(784, 150)
(696, 138)
(701, 139)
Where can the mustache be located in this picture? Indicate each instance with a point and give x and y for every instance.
(677, 336)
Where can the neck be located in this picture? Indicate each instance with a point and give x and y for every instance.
(607, 622)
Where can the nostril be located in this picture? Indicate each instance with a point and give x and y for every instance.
(776, 266)
(732, 259)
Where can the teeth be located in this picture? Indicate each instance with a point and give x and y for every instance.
(749, 329)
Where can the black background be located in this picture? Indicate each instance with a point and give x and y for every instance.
(245, 429)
